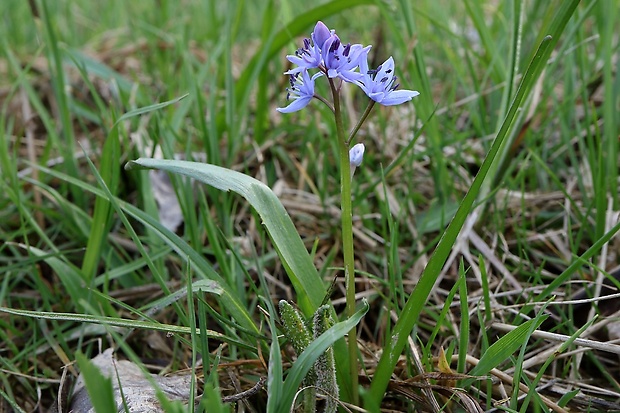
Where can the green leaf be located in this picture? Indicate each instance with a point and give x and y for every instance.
(205, 286)
(212, 400)
(534, 384)
(567, 397)
(577, 264)
(501, 350)
(98, 386)
(150, 108)
(291, 249)
(119, 322)
(437, 217)
(102, 215)
(275, 385)
(11, 402)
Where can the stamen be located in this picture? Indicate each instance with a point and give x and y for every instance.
(335, 45)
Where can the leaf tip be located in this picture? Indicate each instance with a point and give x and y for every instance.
(131, 165)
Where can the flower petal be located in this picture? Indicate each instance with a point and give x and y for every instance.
(386, 71)
(297, 104)
(320, 34)
(302, 87)
(397, 97)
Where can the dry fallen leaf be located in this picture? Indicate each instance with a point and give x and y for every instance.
(170, 214)
(136, 389)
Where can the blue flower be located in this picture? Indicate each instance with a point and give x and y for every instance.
(379, 84)
(325, 51)
(309, 56)
(302, 87)
(341, 61)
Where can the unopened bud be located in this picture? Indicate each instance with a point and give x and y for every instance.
(356, 154)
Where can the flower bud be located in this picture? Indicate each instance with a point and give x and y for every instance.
(356, 154)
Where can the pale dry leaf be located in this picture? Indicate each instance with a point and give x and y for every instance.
(170, 213)
(137, 390)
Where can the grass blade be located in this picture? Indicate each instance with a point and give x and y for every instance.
(117, 322)
(418, 297)
(501, 350)
(183, 249)
(149, 108)
(98, 386)
(102, 215)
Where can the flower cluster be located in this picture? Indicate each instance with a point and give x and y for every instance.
(325, 52)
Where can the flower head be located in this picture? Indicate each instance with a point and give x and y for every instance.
(379, 84)
(302, 87)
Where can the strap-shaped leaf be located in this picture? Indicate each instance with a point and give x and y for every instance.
(291, 249)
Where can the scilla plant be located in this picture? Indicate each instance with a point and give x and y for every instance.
(323, 56)
(339, 63)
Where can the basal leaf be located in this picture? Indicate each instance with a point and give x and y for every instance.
(291, 249)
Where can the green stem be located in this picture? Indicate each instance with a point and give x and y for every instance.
(322, 99)
(347, 236)
(371, 104)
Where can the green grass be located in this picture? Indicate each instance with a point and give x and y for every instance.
(514, 138)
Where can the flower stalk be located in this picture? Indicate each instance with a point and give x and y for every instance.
(346, 215)
(357, 127)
